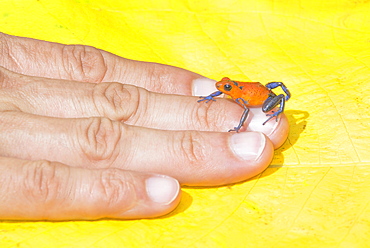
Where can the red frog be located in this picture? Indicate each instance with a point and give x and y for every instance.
(251, 94)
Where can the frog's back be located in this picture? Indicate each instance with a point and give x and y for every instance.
(254, 93)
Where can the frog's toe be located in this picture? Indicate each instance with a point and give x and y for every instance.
(235, 129)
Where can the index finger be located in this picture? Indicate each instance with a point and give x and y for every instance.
(88, 64)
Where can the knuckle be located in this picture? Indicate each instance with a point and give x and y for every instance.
(41, 185)
(100, 139)
(210, 116)
(192, 147)
(84, 63)
(202, 116)
(116, 189)
(116, 101)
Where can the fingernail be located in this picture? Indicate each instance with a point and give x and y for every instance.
(162, 189)
(203, 86)
(248, 145)
(257, 118)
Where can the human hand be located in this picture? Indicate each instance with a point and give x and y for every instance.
(87, 134)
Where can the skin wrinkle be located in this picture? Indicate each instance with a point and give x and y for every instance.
(142, 105)
(113, 186)
(133, 106)
(101, 140)
(116, 100)
(201, 116)
(100, 98)
(209, 119)
(41, 185)
(111, 70)
(191, 148)
(87, 61)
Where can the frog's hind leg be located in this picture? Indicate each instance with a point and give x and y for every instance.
(271, 102)
(274, 85)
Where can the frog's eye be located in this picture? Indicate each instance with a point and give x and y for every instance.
(227, 87)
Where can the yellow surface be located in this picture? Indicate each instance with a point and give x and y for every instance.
(316, 192)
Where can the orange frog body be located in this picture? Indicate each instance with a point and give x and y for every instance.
(251, 94)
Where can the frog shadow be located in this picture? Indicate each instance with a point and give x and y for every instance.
(298, 122)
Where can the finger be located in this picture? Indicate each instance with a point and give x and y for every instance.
(88, 64)
(41, 190)
(127, 103)
(130, 104)
(192, 157)
(276, 130)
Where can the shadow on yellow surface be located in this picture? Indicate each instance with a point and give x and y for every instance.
(297, 122)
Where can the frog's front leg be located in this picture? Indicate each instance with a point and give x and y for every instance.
(242, 103)
(210, 97)
(271, 102)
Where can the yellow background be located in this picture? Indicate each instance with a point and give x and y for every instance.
(316, 191)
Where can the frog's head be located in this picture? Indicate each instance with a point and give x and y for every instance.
(227, 86)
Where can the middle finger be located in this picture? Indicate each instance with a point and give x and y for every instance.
(129, 104)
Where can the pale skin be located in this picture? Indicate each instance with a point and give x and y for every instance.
(86, 134)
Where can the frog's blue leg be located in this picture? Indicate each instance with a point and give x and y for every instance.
(242, 103)
(210, 97)
(271, 102)
(274, 85)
